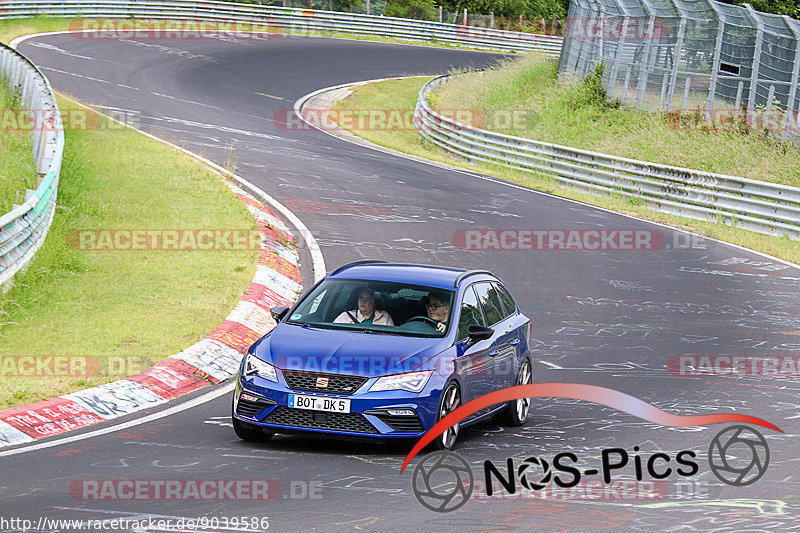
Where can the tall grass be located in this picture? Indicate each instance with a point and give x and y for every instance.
(17, 170)
(551, 110)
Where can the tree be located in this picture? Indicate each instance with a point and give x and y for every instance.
(549, 9)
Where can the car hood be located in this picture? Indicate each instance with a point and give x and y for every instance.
(292, 347)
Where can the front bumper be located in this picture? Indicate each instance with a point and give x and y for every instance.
(368, 415)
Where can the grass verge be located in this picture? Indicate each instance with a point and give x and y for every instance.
(124, 309)
(399, 97)
(17, 169)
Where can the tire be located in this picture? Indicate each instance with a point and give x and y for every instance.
(516, 412)
(249, 432)
(451, 400)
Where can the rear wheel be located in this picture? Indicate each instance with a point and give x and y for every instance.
(516, 412)
(451, 400)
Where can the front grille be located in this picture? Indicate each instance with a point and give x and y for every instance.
(306, 418)
(250, 408)
(336, 384)
(401, 423)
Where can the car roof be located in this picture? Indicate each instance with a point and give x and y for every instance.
(432, 276)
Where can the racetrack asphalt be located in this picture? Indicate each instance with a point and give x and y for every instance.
(611, 318)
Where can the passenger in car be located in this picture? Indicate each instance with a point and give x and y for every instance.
(366, 312)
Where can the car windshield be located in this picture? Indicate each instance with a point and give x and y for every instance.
(380, 307)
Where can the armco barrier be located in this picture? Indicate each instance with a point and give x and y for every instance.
(23, 229)
(754, 205)
(292, 20)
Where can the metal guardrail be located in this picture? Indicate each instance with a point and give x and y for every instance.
(23, 229)
(291, 20)
(754, 205)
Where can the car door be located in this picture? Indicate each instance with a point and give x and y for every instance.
(515, 329)
(472, 361)
(504, 350)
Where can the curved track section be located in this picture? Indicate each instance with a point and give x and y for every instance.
(613, 318)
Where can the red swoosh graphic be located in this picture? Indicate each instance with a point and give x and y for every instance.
(576, 391)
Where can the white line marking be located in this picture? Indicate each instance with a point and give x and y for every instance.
(149, 418)
(552, 365)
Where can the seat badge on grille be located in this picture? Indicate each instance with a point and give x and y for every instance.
(322, 383)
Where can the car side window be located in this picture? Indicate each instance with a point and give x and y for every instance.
(490, 303)
(508, 301)
(470, 313)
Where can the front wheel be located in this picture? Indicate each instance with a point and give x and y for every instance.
(516, 412)
(451, 400)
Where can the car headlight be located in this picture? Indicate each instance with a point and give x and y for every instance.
(412, 382)
(254, 365)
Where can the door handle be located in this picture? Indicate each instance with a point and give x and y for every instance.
(515, 342)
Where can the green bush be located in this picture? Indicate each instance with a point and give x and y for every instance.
(412, 9)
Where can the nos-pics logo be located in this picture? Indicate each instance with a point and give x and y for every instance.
(443, 481)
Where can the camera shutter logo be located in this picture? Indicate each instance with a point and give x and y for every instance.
(738, 456)
(442, 481)
(526, 468)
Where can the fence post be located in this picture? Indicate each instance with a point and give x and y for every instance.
(644, 74)
(676, 57)
(790, 107)
(612, 82)
(751, 99)
(465, 16)
(686, 89)
(712, 86)
(368, 6)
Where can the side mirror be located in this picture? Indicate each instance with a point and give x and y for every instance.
(278, 313)
(478, 333)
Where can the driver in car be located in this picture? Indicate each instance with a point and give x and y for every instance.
(366, 312)
(438, 310)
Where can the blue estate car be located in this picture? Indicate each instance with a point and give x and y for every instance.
(383, 351)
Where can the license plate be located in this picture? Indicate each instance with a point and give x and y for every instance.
(319, 403)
